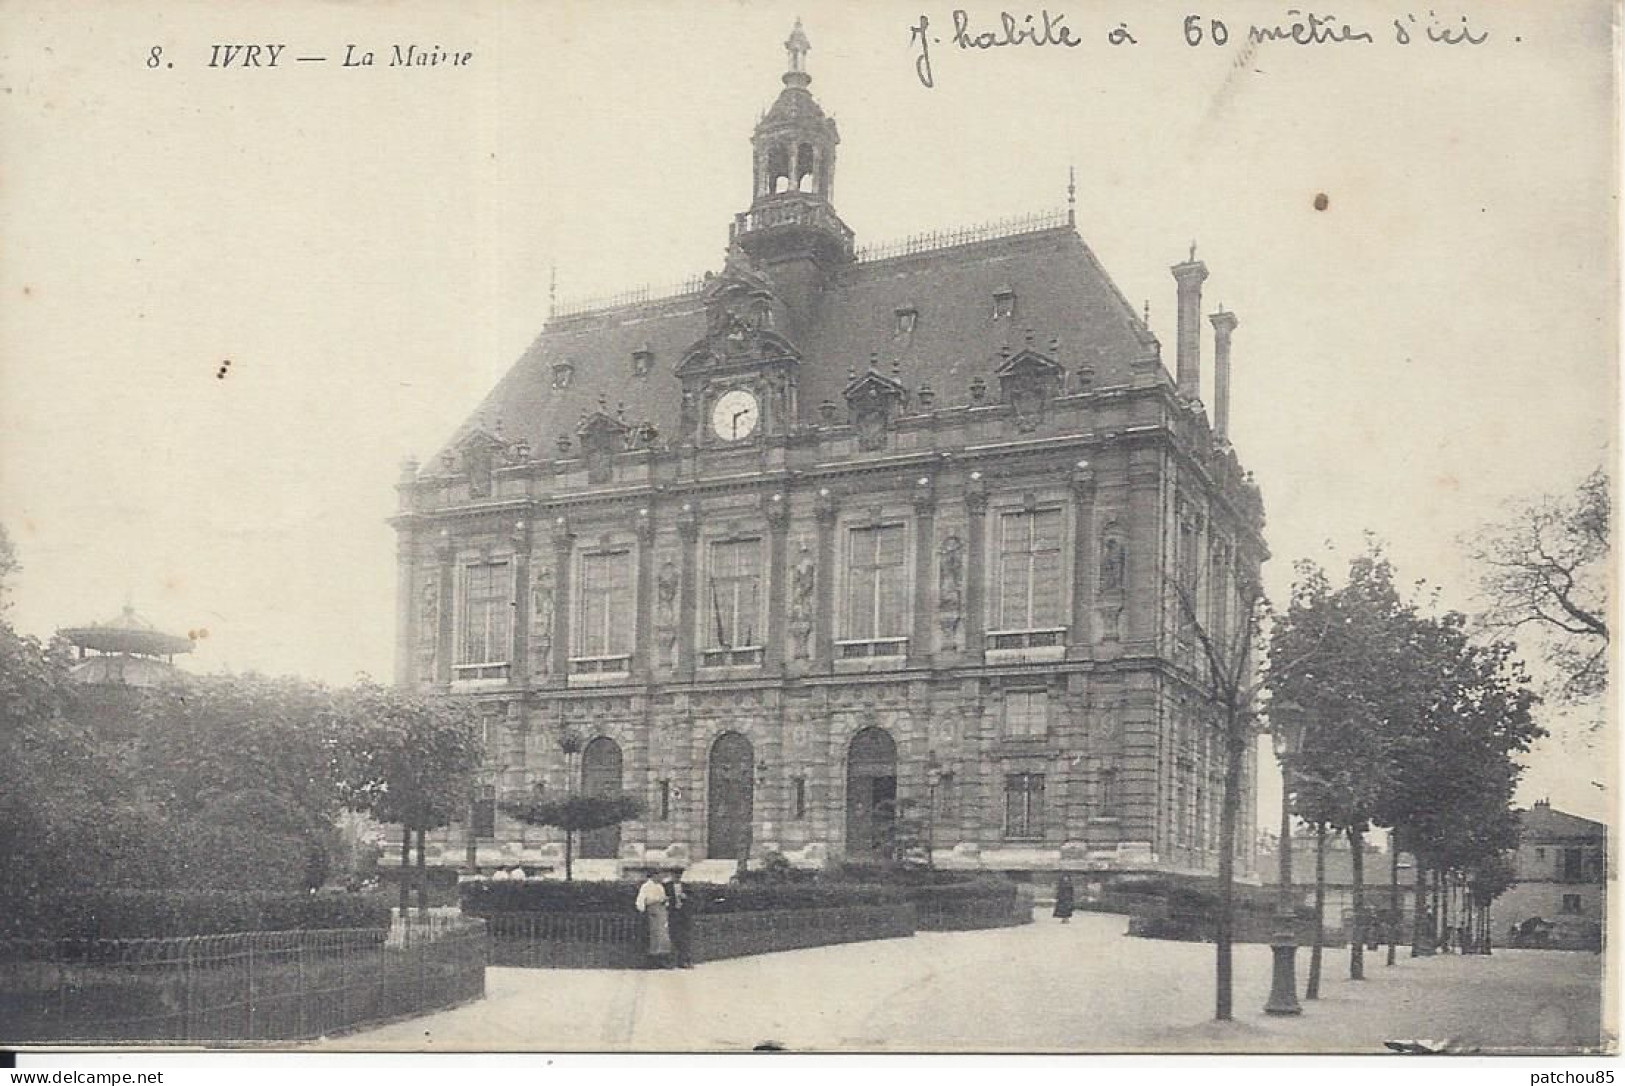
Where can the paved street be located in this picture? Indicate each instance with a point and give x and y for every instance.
(1047, 987)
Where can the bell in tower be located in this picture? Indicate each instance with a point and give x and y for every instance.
(790, 216)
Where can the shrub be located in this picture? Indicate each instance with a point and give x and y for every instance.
(148, 914)
(496, 897)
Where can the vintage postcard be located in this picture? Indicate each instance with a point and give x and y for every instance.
(860, 527)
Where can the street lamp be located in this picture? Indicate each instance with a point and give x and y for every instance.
(1286, 735)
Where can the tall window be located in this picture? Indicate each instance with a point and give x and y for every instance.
(1024, 805)
(663, 801)
(1107, 799)
(798, 798)
(1573, 865)
(876, 593)
(487, 621)
(733, 604)
(1026, 713)
(603, 640)
(485, 812)
(1027, 607)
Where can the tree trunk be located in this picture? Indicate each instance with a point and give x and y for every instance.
(406, 871)
(1317, 946)
(1393, 896)
(1421, 943)
(1227, 869)
(569, 854)
(423, 880)
(1356, 838)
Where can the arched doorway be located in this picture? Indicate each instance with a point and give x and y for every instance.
(731, 796)
(871, 793)
(601, 776)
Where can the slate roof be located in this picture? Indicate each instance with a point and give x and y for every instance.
(1543, 823)
(1063, 299)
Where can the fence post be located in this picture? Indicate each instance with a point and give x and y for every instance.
(299, 985)
(249, 1031)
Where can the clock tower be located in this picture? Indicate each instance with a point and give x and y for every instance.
(791, 232)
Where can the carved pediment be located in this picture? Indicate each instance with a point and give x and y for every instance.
(874, 400)
(480, 452)
(602, 435)
(1027, 382)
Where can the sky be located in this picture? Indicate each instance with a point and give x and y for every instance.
(235, 298)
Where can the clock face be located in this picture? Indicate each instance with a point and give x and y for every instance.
(735, 415)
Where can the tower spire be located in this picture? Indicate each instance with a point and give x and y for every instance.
(1072, 196)
(797, 47)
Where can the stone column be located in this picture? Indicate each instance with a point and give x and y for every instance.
(519, 634)
(688, 530)
(975, 564)
(406, 606)
(1083, 545)
(643, 636)
(445, 558)
(824, 623)
(1144, 594)
(563, 546)
(776, 651)
(925, 511)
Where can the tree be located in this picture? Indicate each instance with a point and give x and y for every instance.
(1350, 693)
(1454, 770)
(407, 758)
(1545, 570)
(573, 813)
(245, 767)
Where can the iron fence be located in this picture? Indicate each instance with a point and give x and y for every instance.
(615, 940)
(252, 986)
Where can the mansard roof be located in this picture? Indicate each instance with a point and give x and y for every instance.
(1062, 299)
(1542, 822)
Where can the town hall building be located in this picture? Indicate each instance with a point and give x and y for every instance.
(841, 536)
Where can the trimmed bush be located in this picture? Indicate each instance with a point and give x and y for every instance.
(151, 914)
(499, 897)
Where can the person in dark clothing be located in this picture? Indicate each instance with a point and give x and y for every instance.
(1063, 899)
(680, 915)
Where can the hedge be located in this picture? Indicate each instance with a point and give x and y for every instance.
(152, 914)
(499, 897)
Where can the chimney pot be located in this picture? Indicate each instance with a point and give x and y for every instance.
(1224, 324)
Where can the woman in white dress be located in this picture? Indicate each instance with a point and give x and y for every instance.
(652, 904)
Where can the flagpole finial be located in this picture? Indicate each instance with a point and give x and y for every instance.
(1072, 196)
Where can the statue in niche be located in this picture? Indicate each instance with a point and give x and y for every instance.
(803, 589)
(428, 628)
(667, 582)
(1113, 564)
(950, 574)
(541, 623)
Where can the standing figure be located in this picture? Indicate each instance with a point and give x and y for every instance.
(1063, 899)
(680, 919)
(651, 903)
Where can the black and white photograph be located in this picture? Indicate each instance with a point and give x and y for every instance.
(826, 527)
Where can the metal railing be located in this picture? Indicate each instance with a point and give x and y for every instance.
(963, 235)
(251, 986)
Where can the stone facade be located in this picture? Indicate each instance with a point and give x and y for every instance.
(943, 494)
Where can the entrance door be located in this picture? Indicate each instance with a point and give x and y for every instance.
(871, 793)
(732, 795)
(601, 776)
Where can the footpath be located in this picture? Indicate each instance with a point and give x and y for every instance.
(1048, 987)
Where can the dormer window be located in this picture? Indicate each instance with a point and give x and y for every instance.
(1004, 304)
(907, 318)
(643, 360)
(563, 373)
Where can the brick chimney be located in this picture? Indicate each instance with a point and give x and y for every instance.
(1189, 276)
(1223, 325)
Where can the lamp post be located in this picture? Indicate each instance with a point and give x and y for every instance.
(1286, 735)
